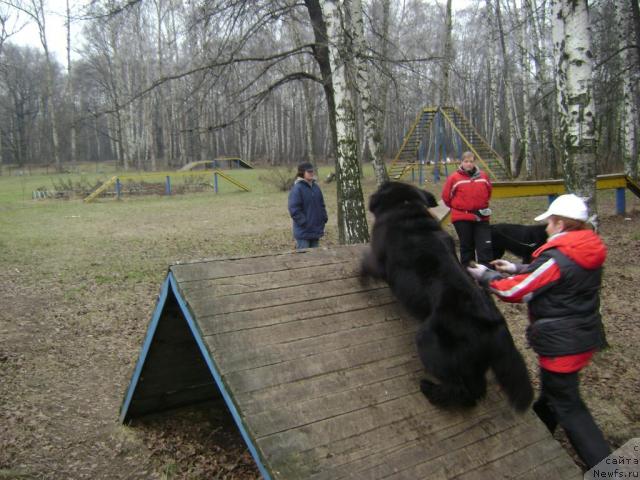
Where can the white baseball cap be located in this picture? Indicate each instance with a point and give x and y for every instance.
(568, 206)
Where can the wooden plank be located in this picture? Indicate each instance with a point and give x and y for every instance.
(457, 461)
(281, 314)
(295, 415)
(271, 280)
(518, 464)
(205, 304)
(233, 355)
(325, 362)
(315, 326)
(319, 386)
(357, 435)
(229, 267)
(378, 453)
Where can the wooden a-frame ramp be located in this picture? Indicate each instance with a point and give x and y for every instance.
(321, 376)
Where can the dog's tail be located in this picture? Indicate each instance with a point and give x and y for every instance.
(511, 371)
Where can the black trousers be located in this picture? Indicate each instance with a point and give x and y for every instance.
(560, 404)
(475, 237)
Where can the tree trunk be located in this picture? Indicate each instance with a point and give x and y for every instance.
(352, 220)
(492, 72)
(70, 96)
(572, 48)
(509, 97)
(448, 56)
(372, 130)
(629, 112)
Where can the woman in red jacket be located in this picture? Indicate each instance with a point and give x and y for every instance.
(467, 193)
(562, 290)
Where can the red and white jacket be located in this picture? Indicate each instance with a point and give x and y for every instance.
(465, 193)
(561, 287)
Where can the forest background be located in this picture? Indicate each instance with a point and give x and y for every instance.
(157, 84)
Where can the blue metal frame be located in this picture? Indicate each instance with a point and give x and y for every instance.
(620, 201)
(195, 331)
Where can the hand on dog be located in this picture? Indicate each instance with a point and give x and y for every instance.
(504, 266)
(476, 270)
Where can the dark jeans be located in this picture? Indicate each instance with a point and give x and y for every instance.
(560, 403)
(301, 243)
(474, 237)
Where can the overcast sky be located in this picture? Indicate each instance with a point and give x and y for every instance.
(56, 30)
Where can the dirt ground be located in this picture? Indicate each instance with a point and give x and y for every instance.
(65, 365)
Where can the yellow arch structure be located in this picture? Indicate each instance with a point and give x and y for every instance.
(160, 175)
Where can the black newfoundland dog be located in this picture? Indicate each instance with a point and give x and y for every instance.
(463, 334)
(521, 240)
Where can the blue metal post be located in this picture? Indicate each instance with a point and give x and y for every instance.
(620, 201)
(421, 172)
(436, 149)
(552, 197)
(167, 186)
(215, 182)
(118, 188)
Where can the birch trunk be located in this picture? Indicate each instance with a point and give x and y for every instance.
(69, 93)
(630, 80)
(508, 92)
(372, 130)
(492, 73)
(572, 48)
(526, 114)
(543, 129)
(352, 221)
(37, 13)
(448, 55)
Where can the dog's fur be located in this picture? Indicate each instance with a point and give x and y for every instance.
(521, 240)
(463, 334)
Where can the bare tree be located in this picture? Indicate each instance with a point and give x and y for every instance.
(35, 10)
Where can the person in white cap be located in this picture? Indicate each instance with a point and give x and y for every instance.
(562, 290)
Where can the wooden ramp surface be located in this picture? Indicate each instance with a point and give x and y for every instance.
(321, 376)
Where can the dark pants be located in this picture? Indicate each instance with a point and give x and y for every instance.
(302, 243)
(560, 403)
(474, 237)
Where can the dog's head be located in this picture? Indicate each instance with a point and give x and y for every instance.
(393, 194)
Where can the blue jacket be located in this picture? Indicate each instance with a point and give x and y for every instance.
(307, 209)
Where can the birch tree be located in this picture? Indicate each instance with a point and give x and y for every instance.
(448, 55)
(572, 51)
(492, 72)
(372, 131)
(69, 91)
(630, 80)
(508, 92)
(352, 221)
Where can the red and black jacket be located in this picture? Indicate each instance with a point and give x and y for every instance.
(466, 193)
(562, 289)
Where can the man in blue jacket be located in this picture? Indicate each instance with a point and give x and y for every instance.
(307, 209)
